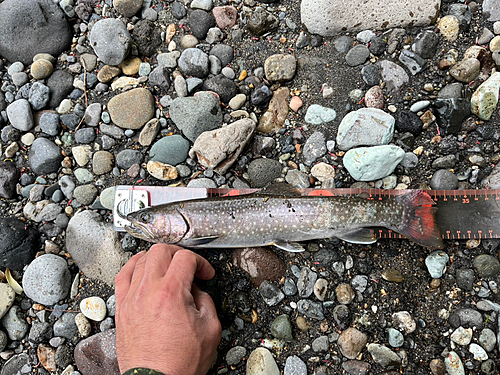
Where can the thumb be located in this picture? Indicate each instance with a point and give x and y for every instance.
(204, 303)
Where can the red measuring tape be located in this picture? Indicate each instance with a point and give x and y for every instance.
(462, 214)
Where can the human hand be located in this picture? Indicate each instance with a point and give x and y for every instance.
(164, 321)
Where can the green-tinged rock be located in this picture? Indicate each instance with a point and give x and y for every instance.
(281, 328)
(107, 197)
(485, 98)
(372, 163)
(171, 150)
(486, 265)
(317, 115)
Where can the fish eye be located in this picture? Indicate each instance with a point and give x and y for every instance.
(145, 218)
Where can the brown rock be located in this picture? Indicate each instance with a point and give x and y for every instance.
(302, 323)
(355, 367)
(102, 162)
(277, 113)
(260, 263)
(444, 64)
(280, 67)
(225, 17)
(351, 342)
(127, 8)
(41, 69)
(149, 132)
(130, 66)
(218, 149)
(466, 70)
(345, 294)
(108, 72)
(47, 357)
(437, 367)
(132, 109)
(162, 171)
(392, 274)
(97, 354)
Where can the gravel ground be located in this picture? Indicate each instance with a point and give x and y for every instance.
(88, 102)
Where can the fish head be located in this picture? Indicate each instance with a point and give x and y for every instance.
(157, 224)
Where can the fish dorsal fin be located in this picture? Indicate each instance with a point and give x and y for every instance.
(363, 236)
(293, 247)
(280, 189)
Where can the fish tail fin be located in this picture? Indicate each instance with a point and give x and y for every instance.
(419, 220)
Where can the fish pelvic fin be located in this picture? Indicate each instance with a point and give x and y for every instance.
(293, 247)
(419, 220)
(361, 236)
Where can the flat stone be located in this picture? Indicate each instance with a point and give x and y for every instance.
(127, 8)
(357, 55)
(395, 77)
(102, 162)
(110, 40)
(260, 264)
(453, 364)
(261, 22)
(93, 308)
(318, 115)
(274, 118)
(365, 127)
(436, 263)
(225, 16)
(280, 67)
(14, 322)
(486, 265)
(195, 115)
(372, 163)
(44, 156)
(220, 148)
(384, 356)
(20, 115)
(162, 171)
(369, 14)
(96, 355)
(261, 362)
(171, 150)
(295, 366)
(31, 27)
(281, 328)
(94, 246)
(132, 109)
(263, 172)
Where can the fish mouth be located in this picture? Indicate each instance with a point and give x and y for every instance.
(140, 231)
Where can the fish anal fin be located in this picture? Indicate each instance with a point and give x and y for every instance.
(192, 242)
(293, 247)
(280, 189)
(362, 236)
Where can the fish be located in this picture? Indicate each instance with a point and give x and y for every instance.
(272, 217)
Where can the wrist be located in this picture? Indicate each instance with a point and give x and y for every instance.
(142, 371)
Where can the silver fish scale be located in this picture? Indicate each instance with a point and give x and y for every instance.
(259, 221)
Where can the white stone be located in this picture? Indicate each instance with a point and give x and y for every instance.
(322, 171)
(453, 364)
(93, 308)
(485, 99)
(462, 336)
(122, 82)
(83, 325)
(7, 296)
(478, 352)
(28, 139)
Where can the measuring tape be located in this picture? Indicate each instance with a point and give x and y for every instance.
(462, 214)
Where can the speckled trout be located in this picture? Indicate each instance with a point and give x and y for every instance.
(266, 218)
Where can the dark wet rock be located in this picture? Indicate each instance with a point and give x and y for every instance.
(60, 84)
(147, 37)
(271, 294)
(443, 179)
(426, 44)
(377, 45)
(310, 309)
(486, 265)
(9, 177)
(342, 316)
(263, 172)
(160, 76)
(260, 22)
(371, 75)
(260, 263)
(357, 55)
(178, 10)
(223, 52)
(409, 122)
(223, 86)
(343, 43)
(40, 332)
(451, 113)
(466, 318)
(200, 22)
(261, 96)
(356, 367)
(465, 279)
(97, 354)
(19, 245)
(30, 27)
(15, 364)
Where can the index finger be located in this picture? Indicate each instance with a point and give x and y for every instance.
(185, 265)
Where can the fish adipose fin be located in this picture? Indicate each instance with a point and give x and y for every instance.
(419, 223)
(363, 236)
(293, 247)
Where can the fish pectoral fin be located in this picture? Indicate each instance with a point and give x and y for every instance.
(293, 247)
(192, 242)
(363, 236)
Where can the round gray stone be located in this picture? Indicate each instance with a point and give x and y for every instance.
(47, 279)
(20, 115)
(110, 40)
(44, 156)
